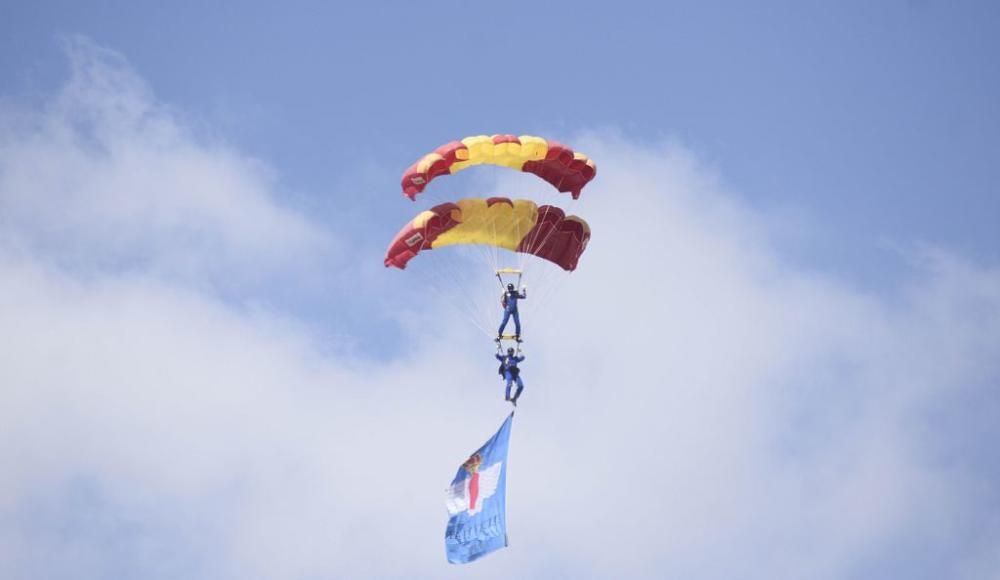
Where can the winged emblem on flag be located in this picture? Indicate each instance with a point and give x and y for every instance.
(470, 493)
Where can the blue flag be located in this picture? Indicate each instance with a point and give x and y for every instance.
(477, 502)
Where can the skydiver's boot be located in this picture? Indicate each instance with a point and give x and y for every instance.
(517, 337)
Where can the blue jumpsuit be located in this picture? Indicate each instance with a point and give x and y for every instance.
(511, 310)
(511, 373)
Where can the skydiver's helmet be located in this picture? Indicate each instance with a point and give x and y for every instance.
(510, 351)
(510, 287)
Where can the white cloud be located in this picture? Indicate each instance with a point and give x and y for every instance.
(696, 406)
(103, 175)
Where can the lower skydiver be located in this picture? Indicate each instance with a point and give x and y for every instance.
(510, 373)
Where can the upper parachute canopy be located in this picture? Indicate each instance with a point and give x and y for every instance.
(516, 225)
(565, 169)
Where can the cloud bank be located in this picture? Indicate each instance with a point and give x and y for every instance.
(698, 404)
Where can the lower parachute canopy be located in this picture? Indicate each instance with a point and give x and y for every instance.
(516, 225)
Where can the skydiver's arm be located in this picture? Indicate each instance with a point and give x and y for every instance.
(499, 357)
(519, 358)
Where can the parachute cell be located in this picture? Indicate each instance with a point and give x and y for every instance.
(565, 169)
(516, 225)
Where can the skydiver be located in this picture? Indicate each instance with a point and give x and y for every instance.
(509, 302)
(510, 373)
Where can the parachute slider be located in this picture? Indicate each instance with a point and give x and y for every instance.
(508, 271)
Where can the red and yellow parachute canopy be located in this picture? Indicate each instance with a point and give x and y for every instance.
(516, 225)
(567, 170)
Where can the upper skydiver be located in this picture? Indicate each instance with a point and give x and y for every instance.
(508, 301)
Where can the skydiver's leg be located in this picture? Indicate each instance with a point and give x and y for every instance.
(520, 387)
(510, 383)
(517, 324)
(503, 323)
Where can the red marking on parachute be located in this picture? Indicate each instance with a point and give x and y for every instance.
(556, 237)
(498, 139)
(414, 181)
(491, 201)
(561, 168)
(405, 245)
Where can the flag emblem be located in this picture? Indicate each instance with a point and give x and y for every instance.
(469, 494)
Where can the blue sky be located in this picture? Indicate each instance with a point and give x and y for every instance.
(881, 119)
(783, 331)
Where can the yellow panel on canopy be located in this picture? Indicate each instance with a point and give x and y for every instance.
(495, 222)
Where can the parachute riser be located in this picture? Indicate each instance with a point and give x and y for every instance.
(510, 272)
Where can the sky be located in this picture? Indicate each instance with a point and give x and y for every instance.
(777, 358)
